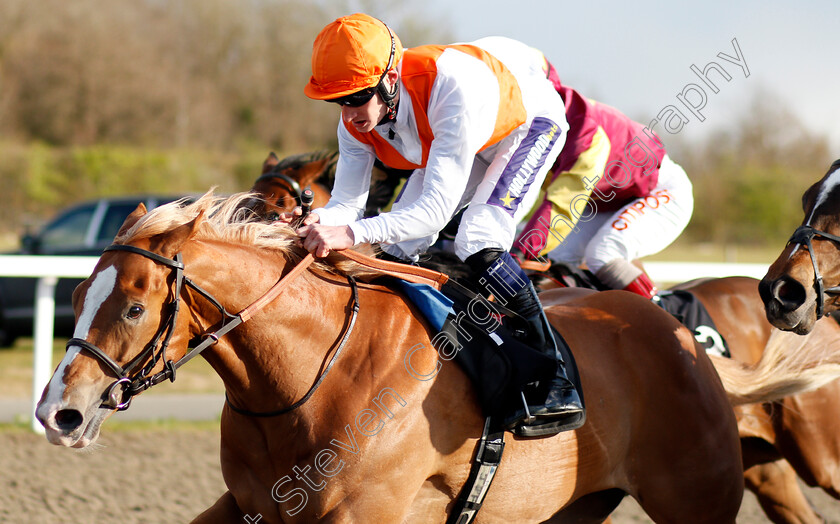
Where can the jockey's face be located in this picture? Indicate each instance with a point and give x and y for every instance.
(366, 116)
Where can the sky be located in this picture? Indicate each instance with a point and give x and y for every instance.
(637, 56)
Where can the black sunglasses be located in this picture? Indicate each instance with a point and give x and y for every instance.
(357, 99)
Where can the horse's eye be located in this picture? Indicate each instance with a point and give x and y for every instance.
(134, 312)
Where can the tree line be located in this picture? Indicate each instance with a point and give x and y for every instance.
(176, 96)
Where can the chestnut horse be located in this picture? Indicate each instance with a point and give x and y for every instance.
(798, 431)
(351, 386)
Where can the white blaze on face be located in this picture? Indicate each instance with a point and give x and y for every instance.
(99, 290)
(831, 182)
(828, 186)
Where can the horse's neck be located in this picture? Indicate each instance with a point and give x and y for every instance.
(272, 360)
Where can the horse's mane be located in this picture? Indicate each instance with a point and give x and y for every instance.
(228, 220)
(305, 158)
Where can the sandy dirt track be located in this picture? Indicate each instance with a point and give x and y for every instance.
(160, 476)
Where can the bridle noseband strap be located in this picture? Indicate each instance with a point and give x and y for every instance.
(102, 356)
(803, 236)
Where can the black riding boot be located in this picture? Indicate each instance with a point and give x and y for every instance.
(558, 406)
(562, 403)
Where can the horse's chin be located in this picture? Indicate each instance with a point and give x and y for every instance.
(90, 433)
(800, 322)
(803, 328)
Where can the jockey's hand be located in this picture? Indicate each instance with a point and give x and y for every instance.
(320, 240)
(289, 217)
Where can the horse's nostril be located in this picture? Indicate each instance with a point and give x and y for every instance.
(68, 419)
(789, 293)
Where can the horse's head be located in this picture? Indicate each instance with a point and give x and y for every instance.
(124, 315)
(282, 181)
(801, 285)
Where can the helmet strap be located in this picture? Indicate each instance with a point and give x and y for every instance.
(389, 98)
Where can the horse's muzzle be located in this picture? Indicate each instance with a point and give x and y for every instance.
(786, 303)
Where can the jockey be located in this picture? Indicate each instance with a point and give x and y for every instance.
(479, 124)
(640, 199)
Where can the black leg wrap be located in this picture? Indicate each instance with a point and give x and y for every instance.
(546, 408)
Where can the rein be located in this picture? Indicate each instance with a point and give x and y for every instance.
(803, 236)
(119, 394)
(132, 385)
(354, 305)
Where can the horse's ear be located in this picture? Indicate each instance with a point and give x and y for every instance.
(132, 219)
(270, 162)
(173, 242)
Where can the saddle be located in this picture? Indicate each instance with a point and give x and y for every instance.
(686, 308)
(480, 336)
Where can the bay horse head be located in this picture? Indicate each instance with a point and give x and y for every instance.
(282, 182)
(803, 284)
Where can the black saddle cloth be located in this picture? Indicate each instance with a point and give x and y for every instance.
(682, 304)
(483, 338)
(686, 308)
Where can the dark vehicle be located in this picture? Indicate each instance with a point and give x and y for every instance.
(82, 230)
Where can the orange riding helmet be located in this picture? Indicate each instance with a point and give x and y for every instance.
(351, 54)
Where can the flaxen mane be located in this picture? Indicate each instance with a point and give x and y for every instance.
(226, 219)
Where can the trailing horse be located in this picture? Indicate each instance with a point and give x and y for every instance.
(281, 183)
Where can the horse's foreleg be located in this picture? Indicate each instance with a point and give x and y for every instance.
(224, 510)
(778, 492)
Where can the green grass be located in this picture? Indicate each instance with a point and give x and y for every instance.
(684, 251)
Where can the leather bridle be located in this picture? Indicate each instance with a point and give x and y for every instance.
(294, 187)
(803, 236)
(119, 394)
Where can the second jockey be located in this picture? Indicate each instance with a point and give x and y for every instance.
(613, 196)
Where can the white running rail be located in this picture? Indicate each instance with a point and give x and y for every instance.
(49, 269)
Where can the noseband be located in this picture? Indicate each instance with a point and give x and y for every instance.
(119, 394)
(803, 236)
